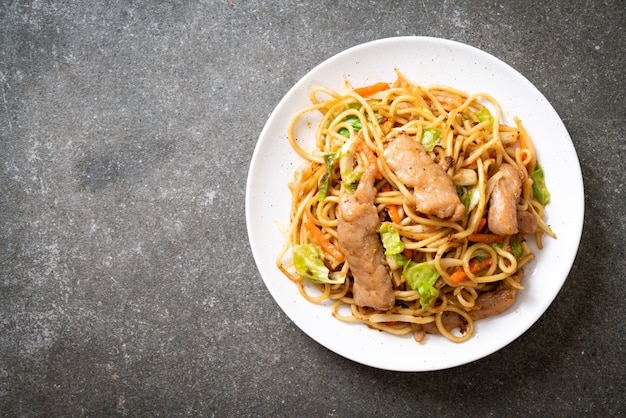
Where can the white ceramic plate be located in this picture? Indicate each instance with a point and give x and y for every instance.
(426, 61)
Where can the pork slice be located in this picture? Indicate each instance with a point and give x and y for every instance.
(449, 320)
(503, 200)
(526, 222)
(489, 303)
(434, 191)
(498, 300)
(357, 234)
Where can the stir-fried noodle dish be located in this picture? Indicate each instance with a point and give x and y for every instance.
(413, 209)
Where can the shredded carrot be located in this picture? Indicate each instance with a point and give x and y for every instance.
(394, 214)
(481, 224)
(392, 210)
(525, 143)
(485, 238)
(322, 241)
(521, 135)
(369, 156)
(475, 265)
(458, 276)
(368, 91)
(522, 142)
(408, 253)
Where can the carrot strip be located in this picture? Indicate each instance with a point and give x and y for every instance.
(392, 210)
(369, 156)
(408, 253)
(481, 224)
(394, 214)
(478, 265)
(525, 143)
(458, 276)
(522, 142)
(485, 238)
(475, 265)
(322, 241)
(371, 90)
(522, 134)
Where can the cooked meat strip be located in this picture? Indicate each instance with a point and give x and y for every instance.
(357, 234)
(526, 222)
(488, 303)
(433, 189)
(503, 200)
(450, 321)
(498, 300)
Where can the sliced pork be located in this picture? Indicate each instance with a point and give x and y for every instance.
(526, 222)
(357, 234)
(503, 201)
(488, 304)
(433, 189)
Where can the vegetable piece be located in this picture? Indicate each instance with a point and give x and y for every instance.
(522, 141)
(470, 196)
(391, 239)
(349, 176)
(475, 266)
(392, 209)
(355, 122)
(368, 91)
(516, 246)
(309, 263)
(484, 115)
(419, 276)
(465, 177)
(321, 240)
(369, 156)
(458, 276)
(394, 214)
(525, 143)
(485, 238)
(540, 190)
(430, 138)
(481, 224)
(422, 277)
(329, 159)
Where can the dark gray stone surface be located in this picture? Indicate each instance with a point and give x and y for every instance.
(127, 285)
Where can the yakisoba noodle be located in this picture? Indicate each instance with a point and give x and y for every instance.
(477, 272)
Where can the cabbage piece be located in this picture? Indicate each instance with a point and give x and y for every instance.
(430, 138)
(329, 159)
(309, 262)
(349, 176)
(516, 246)
(391, 239)
(422, 277)
(540, 190)
(354, 121)
(470, 196)
(484, 115)
(419, 276)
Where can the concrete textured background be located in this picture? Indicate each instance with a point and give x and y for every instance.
(127, 286)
